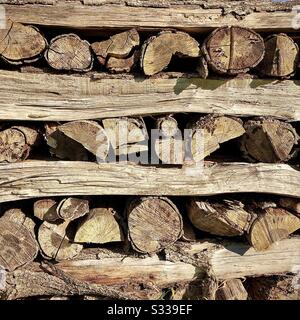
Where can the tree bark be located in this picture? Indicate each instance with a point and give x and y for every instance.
(153, 223)
(291, 204)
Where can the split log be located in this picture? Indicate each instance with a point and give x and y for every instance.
(207, 133)
(72, 208)
(55, 243)
(291, 204)
(126, 135)
(19, 217)
(99, 226)
(120, 65)
(226, 218)
(62, 146)
(20, 43)
(233, 50)
(89, 134)
(281, 57)
(154, 223)
(158, 50)
(268, 140)
(232, 290)
(68, 52)
(119, 46)
(285, 287)
(16, 143)
(272, 225)
(18, 246)
(45, 210)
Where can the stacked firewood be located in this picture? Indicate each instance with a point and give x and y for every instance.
(145, 161)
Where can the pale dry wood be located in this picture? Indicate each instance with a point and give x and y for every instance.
(281, 57)
(89, 134)
(99, 226)
(169, 15)
(231, 260)
(157, 51)
(268, 140)
(72, 208)
(167, 125)
(233, 50)
(209, 132)
(232, 290)
(290, 204)
(119, 46)
(154, 223)
(271, 226)
(120, 65)
(48, 178)
(69, 52)
(45, 210)
(17, 244)
(226, 218)
(55, 243)
(21, 44)
(18, 216)
(48, 97)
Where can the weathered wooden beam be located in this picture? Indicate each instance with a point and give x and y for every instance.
(48, 178)
(195, 16)
(42, 96)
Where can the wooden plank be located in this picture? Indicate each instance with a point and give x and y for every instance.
(154, 15)
(48, 97)
(56, 178)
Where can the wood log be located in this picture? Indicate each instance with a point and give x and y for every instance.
(232, 290)
(45, 210)
(119, 96)
(291, 204)
(89, 134)
(120, 65)
(20, 43)
(196, 16)
(281, 57)
(68, 52)
(17, 243)
(272, 225)
(63, 147)
(202, 68)
(158, 50)
(233, 50)
(119, 46)
(16, 143)
(99, 226)
(55, 243)
(31, 179)
(72, 208)
(227, 218)
(126, 135)
(268, 140)
(210, 131)
(167, 125)
(154, 223)
(285, 287)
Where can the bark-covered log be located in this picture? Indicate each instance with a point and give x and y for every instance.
(233, 50)
(89, 134)
(268, 140)
(292, 204)
(99, 226)
(45, 210)
(68, 52)
(153, 223)
(72, 208)
(232, 290)
(227, 218)
(158, 50)
(281, 57)
(272, 225)
(20, 43)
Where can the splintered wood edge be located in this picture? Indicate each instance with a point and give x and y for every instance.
(35, 178)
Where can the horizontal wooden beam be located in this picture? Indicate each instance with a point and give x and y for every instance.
(56, 178)
(198, 16)
(49, 97)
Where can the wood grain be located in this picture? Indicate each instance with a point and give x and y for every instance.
(48, 178)
(48, 97)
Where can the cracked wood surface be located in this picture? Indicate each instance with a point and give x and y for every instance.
(148, 15)
(49, 97)
(35, 178)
